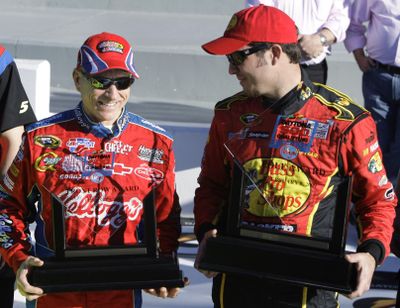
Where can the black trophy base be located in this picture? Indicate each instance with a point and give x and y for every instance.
(280, 263)
(106, 273)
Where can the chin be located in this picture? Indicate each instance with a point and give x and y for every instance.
(251, 93)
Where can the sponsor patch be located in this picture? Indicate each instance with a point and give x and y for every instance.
(77, 145)
(279, 187)
(87, 204)
(305, 93)
(47, 162)
(152, 125)
(47, 141)
(98, 162)
(110, 46)
(288, 151)
(375, 163)
(257, 135)
(322, 131)
(297, 132)
(70, 176)
(278, 227)
(118, 147)
(5, 228)
(374, 147)
(383, 180)
(150, 154)
(121, 169)
(232, 23)
(150, 174)
(389, 194)
(248, 118)
(97, 177)
(72, 163)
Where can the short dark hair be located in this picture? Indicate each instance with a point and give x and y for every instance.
(292, 50)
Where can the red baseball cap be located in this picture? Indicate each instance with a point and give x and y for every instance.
(105, 51)
(255, 24)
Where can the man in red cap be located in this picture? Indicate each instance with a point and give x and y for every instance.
(101, 161)
(297, 141)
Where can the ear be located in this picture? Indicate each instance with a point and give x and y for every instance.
(277, 52)
(77, 77)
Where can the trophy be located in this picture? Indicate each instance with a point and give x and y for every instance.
(258, 235)
(106, 267)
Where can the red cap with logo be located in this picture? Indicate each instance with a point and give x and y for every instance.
(105, 51)
(255, 24)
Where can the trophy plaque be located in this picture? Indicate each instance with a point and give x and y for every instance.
(269, 245)
(106, 267)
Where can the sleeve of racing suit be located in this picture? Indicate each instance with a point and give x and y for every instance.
(214, 181)
(168, 209)
(373, 194)
(395, 243)
(15, 186)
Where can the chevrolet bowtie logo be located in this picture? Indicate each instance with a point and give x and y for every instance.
(119, 169)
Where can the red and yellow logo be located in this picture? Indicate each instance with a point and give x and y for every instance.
(46, 162)
(278, 187)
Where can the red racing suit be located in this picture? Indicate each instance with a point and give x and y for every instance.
(102, 177)
(296, 150)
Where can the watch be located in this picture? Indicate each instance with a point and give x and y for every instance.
(323, 39)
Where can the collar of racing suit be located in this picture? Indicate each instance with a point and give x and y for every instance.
(293, 100)
(99, 129)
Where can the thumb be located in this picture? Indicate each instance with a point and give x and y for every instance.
(33, 261)
(210, 233)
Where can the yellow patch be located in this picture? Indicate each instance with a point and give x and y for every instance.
(285, 187)
(46, 162)
(375, 163)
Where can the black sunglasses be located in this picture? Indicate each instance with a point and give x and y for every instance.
(102, 83)
(236, 58)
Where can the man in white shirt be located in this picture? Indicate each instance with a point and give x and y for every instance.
(376, 49)
(321, 23)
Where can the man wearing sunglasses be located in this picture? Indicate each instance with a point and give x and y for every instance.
(101, 161)
(296, 141)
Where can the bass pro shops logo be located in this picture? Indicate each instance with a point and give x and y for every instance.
(278, 187)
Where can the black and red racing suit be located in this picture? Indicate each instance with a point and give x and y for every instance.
(297, 150)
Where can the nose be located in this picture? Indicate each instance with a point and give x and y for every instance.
(232, 69)
(112, 91)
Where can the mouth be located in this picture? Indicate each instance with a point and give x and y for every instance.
(108, 104)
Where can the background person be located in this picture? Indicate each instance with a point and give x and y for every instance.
(321, 23)
(261, 46)
(373, 38)
(15, 112)
(101, 161)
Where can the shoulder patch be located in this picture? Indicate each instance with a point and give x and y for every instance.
(226, 103)
(57, 118)
(347, 110)
(138, 120)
